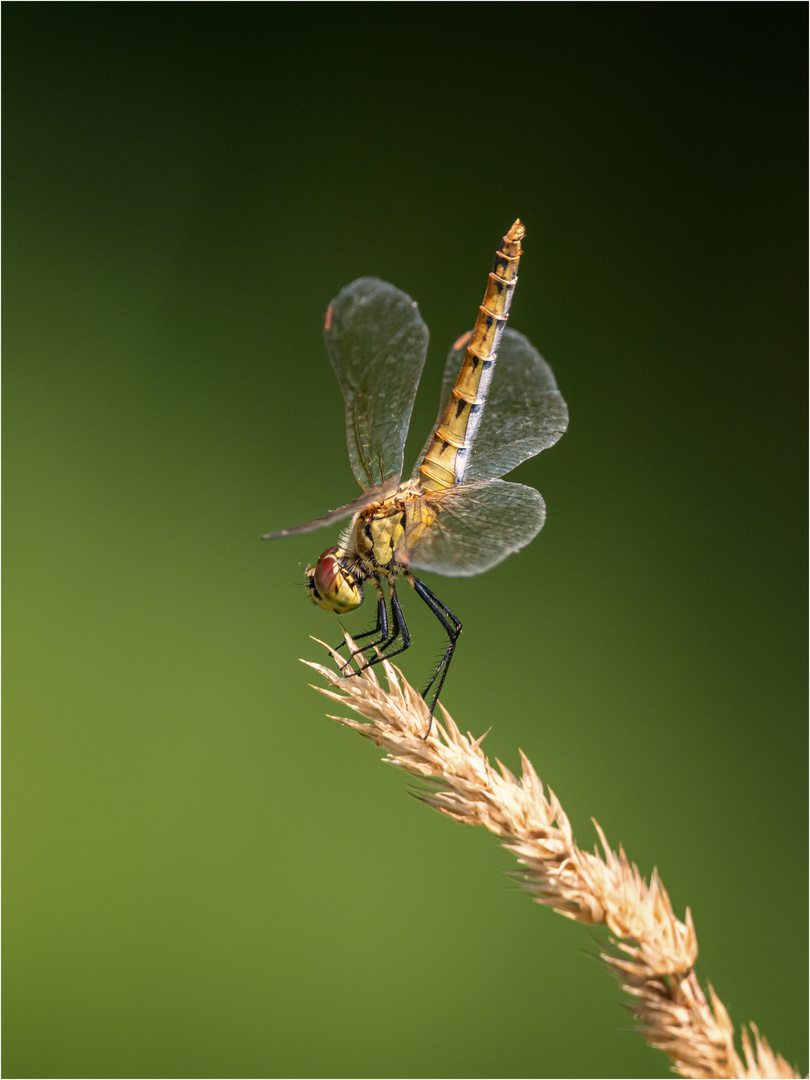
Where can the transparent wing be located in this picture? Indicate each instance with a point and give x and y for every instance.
(377, 344)
(368, 497)
(524, 412)
(472, 527)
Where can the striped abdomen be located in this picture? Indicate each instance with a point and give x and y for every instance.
(446, 460)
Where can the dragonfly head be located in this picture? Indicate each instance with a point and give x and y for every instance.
(332, 586)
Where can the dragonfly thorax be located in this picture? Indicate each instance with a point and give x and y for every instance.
(332, 585)
(377, 533)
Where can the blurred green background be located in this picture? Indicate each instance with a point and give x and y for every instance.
(203, 875)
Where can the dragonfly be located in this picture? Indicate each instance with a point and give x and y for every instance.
(454, 516)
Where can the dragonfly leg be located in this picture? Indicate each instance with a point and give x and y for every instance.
(450, 624)
(383, 644)
(399, 629)
(380, 629)
(452, 627)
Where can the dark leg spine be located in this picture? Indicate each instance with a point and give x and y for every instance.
(452, 627)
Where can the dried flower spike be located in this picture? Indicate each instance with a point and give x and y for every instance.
(652, 952)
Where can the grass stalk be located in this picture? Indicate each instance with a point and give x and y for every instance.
(650, 951)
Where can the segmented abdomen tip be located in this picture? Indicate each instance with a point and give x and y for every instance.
(517, 232)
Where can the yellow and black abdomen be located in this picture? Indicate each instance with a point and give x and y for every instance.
(445, 462)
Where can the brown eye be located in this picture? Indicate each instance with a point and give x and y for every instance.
(326, 573)
(332, 586)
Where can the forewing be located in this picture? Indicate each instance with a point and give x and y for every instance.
(524, 411)
(372, 495)
(377, 343)
(471, 527)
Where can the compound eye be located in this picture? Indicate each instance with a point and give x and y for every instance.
(333, 587)
(326, 573)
